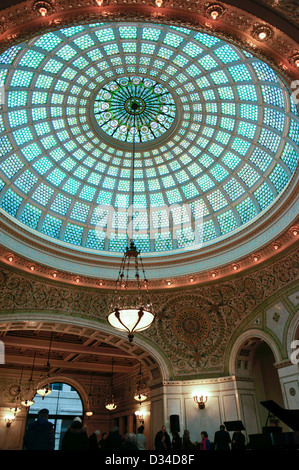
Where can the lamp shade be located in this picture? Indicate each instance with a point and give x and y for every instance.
(27, 403)
(110, 403)
(43, 391)
(140, 397)
(131, 319)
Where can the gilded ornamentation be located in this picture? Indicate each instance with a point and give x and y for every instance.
(194, 325)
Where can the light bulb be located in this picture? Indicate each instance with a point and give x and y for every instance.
(43, 11)
(214, 14)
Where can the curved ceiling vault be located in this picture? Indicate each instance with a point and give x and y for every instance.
(216, 137)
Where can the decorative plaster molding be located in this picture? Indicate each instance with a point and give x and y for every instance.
(194, 327)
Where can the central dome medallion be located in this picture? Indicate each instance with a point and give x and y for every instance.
(134, 105)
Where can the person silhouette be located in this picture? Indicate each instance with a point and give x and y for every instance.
(222, 439)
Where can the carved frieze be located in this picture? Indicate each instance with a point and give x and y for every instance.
(193, 326)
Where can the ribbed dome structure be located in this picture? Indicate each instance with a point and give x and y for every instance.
(216, 136)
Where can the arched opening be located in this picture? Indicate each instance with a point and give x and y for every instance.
(64, 404)
(255, 360)
(267, 385)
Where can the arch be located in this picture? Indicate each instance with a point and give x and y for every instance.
(142, 349)
(246, 336)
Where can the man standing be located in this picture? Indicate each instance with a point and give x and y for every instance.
(222, 439)
(141, 439)
(238, 442)
(40, 434)
(162, 440)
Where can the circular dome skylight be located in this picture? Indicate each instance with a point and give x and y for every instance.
(216, 136)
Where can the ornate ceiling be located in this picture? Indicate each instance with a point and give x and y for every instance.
(216, 136)
(232, 279)
(222, 165)
(195, 328)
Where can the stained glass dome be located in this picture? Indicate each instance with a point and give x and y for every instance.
(216, 136)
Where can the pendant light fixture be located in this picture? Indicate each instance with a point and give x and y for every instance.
(27, 402)
(46, 389)
(89, 412)
(16, 408)
(128, 315)
(110, 401)
(139, 394)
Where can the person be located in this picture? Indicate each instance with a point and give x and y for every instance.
(238, 440)
(205, 443)
(141, 439)
(188, 446)
(103, 442)
(93, 440)
(114, 439)
(176, 444)
(40, 434)
(162, 440)
(75, 437)
(222, 439)
(130, 443)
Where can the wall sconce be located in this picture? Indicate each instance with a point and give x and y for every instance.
(140, 416)
(200, 400)
(9, 419)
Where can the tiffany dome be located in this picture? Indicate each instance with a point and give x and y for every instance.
(216, 138)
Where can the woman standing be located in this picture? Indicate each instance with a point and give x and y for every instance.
(205, 443)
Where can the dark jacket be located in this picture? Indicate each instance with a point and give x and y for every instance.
(176, 442)
(188, 446)
(160, 444)
(114, 440)
(39, 435)
(222, 440)
(93, 442)
(129, 446)
(238, 441)
(75, 439)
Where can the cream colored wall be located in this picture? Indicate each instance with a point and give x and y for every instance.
(289, 380)
(228, 400)
(11, 438)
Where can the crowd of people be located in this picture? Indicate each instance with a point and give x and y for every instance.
(222, 441)
(40, 436)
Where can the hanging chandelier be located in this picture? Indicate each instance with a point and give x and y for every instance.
(46, 389)
(140, 396)
(27, 402)
(110, 400)
(43, 391)
(128, 315)
(16, 409)
(89, 411)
